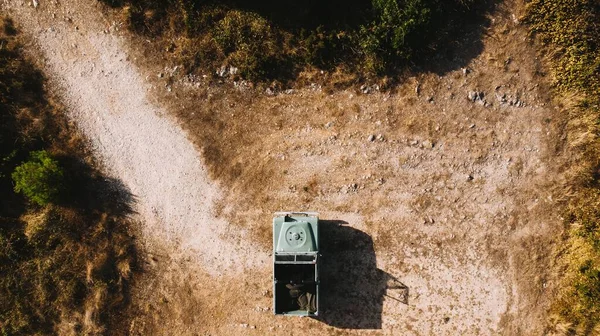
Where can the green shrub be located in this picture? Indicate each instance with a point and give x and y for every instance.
(394, 24)
(40, 178)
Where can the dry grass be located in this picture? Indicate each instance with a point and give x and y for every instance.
(570, 36)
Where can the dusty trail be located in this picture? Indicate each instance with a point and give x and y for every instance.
(134, 139)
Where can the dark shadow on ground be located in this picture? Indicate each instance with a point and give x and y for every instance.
(88, 189)
(352, 287)
(459, 41)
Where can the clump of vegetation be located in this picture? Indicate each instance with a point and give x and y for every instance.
(64, 266)
(40, 178)
(569, 29)
(269, 40)
(570, 35)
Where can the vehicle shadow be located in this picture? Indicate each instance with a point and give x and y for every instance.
(352, 288)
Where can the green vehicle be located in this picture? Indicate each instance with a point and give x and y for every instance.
(296, 263)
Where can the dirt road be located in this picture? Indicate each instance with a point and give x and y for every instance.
(442, 225)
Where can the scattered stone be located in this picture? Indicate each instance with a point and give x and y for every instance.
(469, 178)
(418, 89)
(289, 91)
(35, 3)
(269, 91)
(233, 70)
(476, 96)
(472, 126)
(366, 89)
(414, 142)
(430, 99)
(329, 124)
(161, 75)
(222, 71)
(427, 144)
(465, 71)
(244, 325)
(380, 137)
(371, 138)
(501, 97)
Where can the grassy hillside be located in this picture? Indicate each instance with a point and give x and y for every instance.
(277, 40)
(570, 33)
(66, 254)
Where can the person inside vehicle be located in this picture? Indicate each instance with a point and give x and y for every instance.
(302, 298)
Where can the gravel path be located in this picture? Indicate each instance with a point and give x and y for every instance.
(136, 141)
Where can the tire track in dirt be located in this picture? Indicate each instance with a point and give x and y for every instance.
(134, 139)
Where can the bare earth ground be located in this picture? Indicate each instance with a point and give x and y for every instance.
(442, 225)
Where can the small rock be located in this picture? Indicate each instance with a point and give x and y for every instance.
(469, 177)
(371, 138)
(380, 137)
(465, 71)
(366, 89)
(233, 70)
(269, 91)
(35, 3)
(329, 124)
(427, 144)
(430, 99)
(161, 75)
(501, 97)
(472, 126)
(244, 325)
(472, 95)
(475, 96)
(221, 71)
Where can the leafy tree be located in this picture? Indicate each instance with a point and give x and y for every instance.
(40, 178)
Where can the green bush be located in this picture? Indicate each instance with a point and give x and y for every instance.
(40, 178)
(394, 24)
